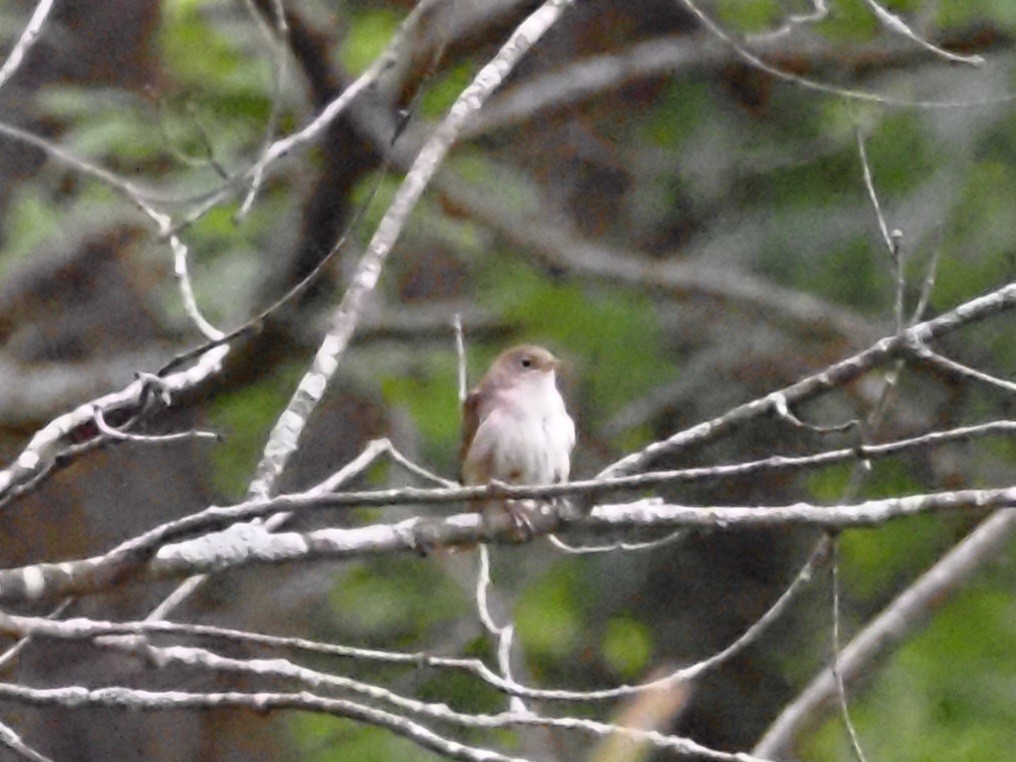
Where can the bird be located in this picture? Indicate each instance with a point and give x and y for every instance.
(516, 428)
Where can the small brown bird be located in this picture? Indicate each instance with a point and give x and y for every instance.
(515, 426)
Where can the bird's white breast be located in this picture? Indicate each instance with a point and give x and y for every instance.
(525, 434)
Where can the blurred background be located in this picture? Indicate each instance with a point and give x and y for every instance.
(686, 231)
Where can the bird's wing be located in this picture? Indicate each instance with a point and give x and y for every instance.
(470, 423)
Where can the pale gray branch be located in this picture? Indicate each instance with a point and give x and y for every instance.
(25, 41)
(898, 621)
(75, 697)
(284, 438)
(251, 543)
(835, 375)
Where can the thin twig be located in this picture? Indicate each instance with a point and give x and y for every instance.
(841, 689)
(819, 10)
(896, 24)
(939, 362)
(12, 741)
(807, 388)
(822, 87)
(284, 438)
(136, 700)
(125, 436)
(460, 353)
(907, 614)
(25, 41)
(276, 36)
(619, 546)
(315, 680)
(892, 240)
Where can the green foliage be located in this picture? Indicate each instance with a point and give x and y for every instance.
(430, 393)
(107, 123)
(749, 15)
(897, 551)
(677, 113)
(396, 600)
(1002, 450)
(244, 418)
(627, 647)
(227, 259)
(548, 615)
(849, 21)
(924, 706)
(461, 690)
(613, 333)
(172, 133)
(370, 31)
(960, 13)
(30, 222)
(853, 273)
(829, 484)
(199, 56)
(444, 89)
(823, 182)
(900, 155)
(329, 739)
(207, 57)
(797, 162)
(857, 271)
(218, 94)
(877, 559)
(898, 152)
(980, 234)
(36, 226)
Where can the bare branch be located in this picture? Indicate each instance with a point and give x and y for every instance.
(27, 39)
(57, 438)
(284, 438)
(835, 375)
(139, 198)
(899, 620)
(551, 241)
(12, 741)
(249, 543)
(124, 436)
(953, 369)
(150, 701)
(822, 87)
(819, 11)
(138, 550)
(895, 24)
(892, 240)
(275, 35)
(841, 689)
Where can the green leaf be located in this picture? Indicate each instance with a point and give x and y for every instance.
(627, 646)
(244, 418)
(924, 706)
(612, 336)
(396, 598)
(369, 33)
(332, 739)
(749, 15)
(446, 88)
(547, 615)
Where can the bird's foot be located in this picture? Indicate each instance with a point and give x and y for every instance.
(520, 512)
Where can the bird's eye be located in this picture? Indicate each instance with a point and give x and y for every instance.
(527, 362)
